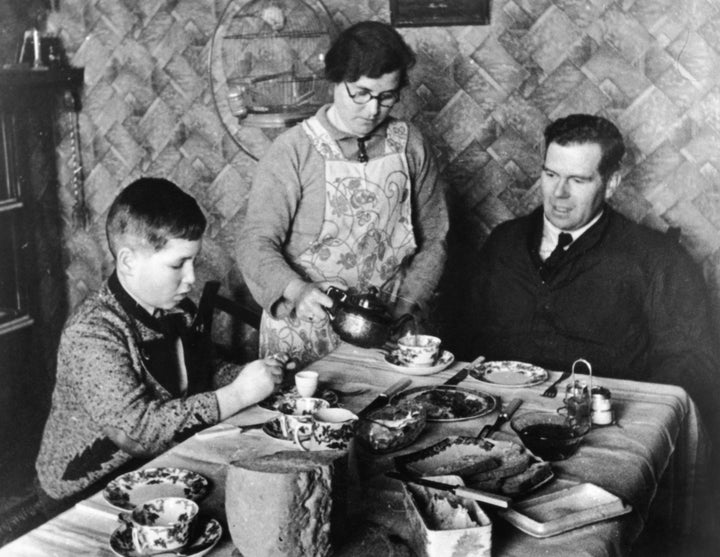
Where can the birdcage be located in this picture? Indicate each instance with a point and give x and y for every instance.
(272, 55)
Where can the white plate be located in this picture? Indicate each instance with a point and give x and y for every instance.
(446, 359)
(128, 490)
(509, 374)
(558, 512)
(210, 531)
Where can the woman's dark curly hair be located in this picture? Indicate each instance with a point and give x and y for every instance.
(370, 49)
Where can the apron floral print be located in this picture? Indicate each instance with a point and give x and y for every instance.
(365, 238)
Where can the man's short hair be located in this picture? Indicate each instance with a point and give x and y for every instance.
(371, 49)
(586, 128)
(151, 211)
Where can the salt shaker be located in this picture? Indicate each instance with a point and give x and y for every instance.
(602, 412)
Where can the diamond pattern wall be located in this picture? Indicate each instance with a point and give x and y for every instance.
(483, 95)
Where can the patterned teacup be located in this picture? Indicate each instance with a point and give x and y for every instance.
(161, 525)
(333, 428)
(296, 417)
(418, 350)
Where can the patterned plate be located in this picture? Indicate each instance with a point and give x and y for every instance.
(133, 488)
(509, 374)
(448, 403)
(445, 360)
(210, 531)
(275, 401)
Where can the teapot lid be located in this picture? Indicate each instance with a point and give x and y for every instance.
(369, 300)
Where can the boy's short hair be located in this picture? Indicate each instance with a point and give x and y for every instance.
(151, 211)
(577, 129)
(371, 49)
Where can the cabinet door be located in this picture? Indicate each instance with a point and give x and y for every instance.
(13, 292)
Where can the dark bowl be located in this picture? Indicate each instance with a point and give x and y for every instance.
(548, 435)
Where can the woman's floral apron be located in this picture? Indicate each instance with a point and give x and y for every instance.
(365, 237)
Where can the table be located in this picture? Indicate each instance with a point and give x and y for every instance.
(652, 461)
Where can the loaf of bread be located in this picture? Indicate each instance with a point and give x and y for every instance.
(535, 474)
(513, 459)
(521, 482)
(287, 504)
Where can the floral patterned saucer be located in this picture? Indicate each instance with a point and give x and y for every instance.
(128, 490)
(210, 532)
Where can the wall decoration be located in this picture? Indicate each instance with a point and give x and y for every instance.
(427, 13)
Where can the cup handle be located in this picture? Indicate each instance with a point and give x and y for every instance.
(298, 439)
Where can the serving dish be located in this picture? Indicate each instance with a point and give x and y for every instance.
(121, 541)
(392, 427)
(450, 403)
(508, 373)
(446, 359)
(564, 510)
(128, 490)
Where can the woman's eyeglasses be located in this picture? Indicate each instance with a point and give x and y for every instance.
(386, 98)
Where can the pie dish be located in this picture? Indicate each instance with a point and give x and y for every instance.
(450, 403)
(210, 532)
(133, 488)
(507, 373)
(446, 359)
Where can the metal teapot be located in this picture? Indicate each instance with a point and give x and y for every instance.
(362, 319)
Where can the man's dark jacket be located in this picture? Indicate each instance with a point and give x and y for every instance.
(626, 298)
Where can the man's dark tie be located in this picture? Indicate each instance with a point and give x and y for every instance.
(564, 240)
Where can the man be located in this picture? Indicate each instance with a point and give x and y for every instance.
(626, 298)
(351, 197)
(129, 384)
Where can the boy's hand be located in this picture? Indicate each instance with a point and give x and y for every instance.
(259, 379)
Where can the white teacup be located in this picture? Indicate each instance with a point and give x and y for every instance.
(332, 428)
(161, 525)
(296, 417)
(306, 382)
(418, 350)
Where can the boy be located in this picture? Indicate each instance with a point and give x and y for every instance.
(129, 382)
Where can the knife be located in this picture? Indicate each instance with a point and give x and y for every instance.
(503, 417)
(459, 490)
(463, 373)
(383, 398)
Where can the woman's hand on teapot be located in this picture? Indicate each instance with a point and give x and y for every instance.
(309, 298)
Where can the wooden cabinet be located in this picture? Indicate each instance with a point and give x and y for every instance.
(28, 106)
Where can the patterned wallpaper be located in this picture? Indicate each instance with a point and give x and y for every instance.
(483, 94)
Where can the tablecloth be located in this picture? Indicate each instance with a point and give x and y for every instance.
(657, 453)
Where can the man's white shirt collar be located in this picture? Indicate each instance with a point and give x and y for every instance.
(551, 233)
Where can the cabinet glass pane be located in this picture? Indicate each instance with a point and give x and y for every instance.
(11, 295)
(8, 189)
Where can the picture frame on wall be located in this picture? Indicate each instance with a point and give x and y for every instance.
(428, 13)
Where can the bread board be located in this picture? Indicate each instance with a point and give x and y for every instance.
(552, 514)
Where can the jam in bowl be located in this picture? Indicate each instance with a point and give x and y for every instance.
(549, 435)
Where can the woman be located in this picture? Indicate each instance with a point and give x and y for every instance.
(350, 197)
